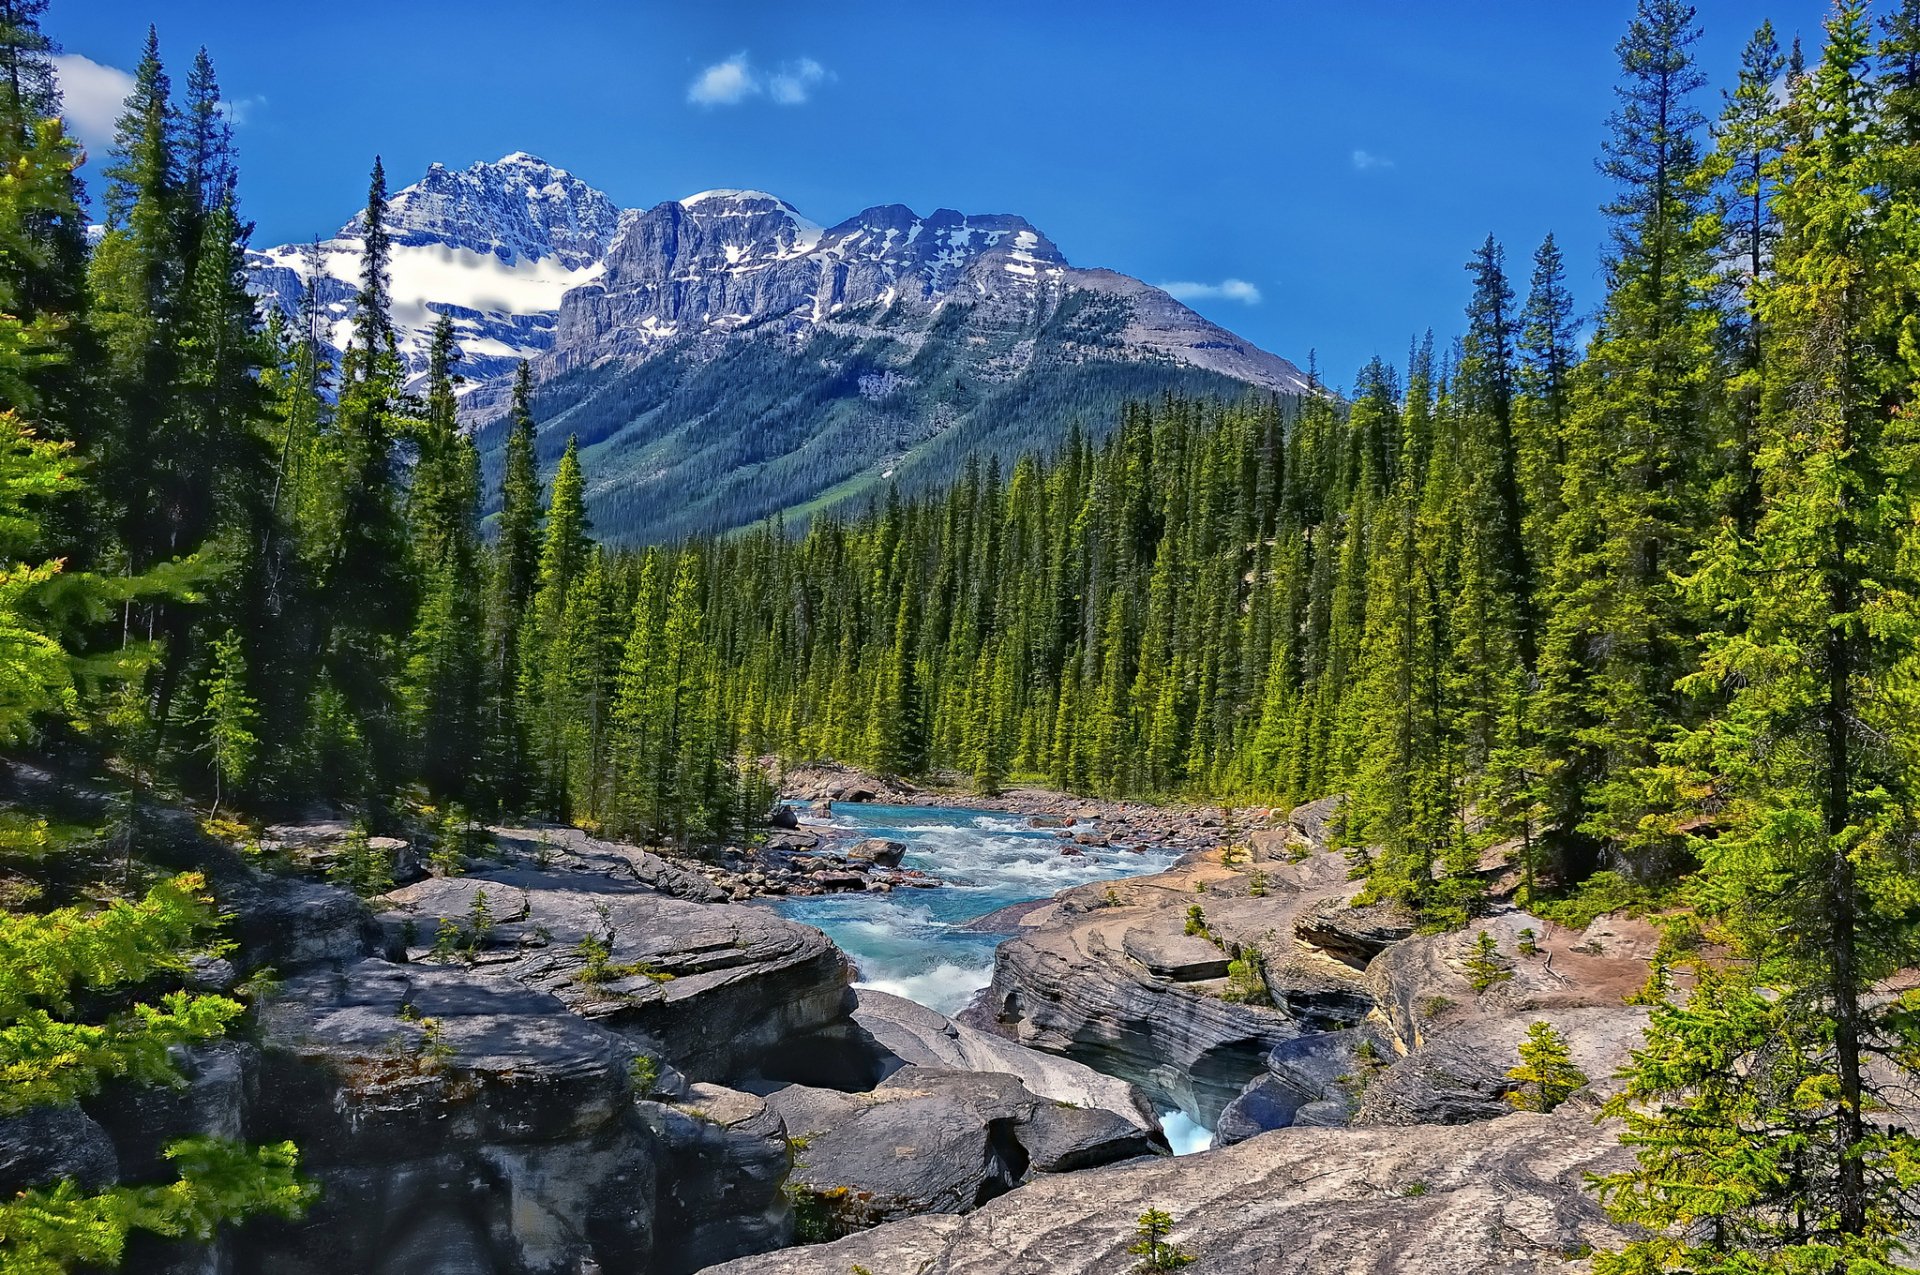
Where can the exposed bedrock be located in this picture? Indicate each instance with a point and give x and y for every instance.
(1504, 1196)
(932, 1140)
(719, 992)
(1127, 978)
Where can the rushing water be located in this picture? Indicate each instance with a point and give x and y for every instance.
(909, 942)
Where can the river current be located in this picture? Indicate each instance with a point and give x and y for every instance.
(911, 942)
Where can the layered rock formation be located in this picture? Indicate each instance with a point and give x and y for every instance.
(1504, 1196)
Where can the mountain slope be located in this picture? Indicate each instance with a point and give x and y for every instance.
(722, 358)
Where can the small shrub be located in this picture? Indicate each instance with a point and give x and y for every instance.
(645, 1074)
(1546, 1076)
(1414, 1190)
(599, 968)
(446, 940)
(1529, 944)
(1156, 1252)
(1257, 885)
(1246, 979)
(1485, 965)
(361, 868)
(479, 921)
(456, 838)
(1197, 921)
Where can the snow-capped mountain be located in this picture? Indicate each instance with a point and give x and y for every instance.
(722, 358)
(494, 248)
(726, 260)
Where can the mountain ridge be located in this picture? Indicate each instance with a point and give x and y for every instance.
(726, 343)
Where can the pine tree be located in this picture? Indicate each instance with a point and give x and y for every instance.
(1546, 1076)
(444, 668)
(1639, 443)
(1805, 756)
(544, 676)
(363, 568)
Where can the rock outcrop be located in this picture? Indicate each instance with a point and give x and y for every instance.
(930, 1140)
(718, 992)
(1110, 975)
(445, 1114)
(922, 1037)
(1436, 1200)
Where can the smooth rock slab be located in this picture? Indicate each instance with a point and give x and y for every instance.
(927, 1140)
(718, 991)
(1504, 1197)
(923, 1037)
(1183, 958)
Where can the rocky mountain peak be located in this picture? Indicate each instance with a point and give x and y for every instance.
(518, 208)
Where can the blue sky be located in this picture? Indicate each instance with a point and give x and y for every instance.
(1324, 168)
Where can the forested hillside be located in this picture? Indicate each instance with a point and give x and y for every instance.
(1633, 601)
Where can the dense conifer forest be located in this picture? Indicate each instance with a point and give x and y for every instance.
(1625, 584)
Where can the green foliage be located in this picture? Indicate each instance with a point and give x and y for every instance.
(1197, 921)
(1600, 894)
(47, 1057)
(1246, 978)
(1485, 965)
(1546, 1076)
(1156, 1252)
(361, 867)
(598, 966)
(50, 1231)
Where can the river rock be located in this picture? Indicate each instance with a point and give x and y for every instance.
(1507, 1196)
(1315, 1080)
(930, 1140)
(1095, 977)
(1350, 934)
(555, 848)
(783, 816)
(729, 1157)
(718, 992)
(1182, 957)
(913, 1034)
(1460, 1075)
(878, 851)
(445, 1113)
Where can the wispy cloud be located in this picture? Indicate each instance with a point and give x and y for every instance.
(240, 110)
(1366, 161)
(92, 95)
(795, 81)
(1225, 290)
(734, 80)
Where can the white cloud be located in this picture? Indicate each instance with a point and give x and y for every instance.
(736, 79)
(92, 96)
(724, 83)
(794, 82)
(240, 110)
(1364, 161)
(1225, 290)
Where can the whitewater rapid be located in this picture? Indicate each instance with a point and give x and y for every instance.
(912, 942)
